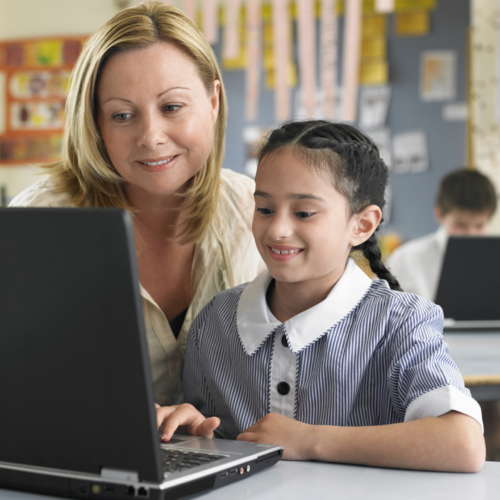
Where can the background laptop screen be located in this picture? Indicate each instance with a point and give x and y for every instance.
(469, 284)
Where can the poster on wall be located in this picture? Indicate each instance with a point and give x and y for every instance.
(409, 153)
(382, 138)
(35, 75)
(438, 75)
(373, 106)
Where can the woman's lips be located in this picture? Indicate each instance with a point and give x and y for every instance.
(159, 164)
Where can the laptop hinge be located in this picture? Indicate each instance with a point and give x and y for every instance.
(127, 476)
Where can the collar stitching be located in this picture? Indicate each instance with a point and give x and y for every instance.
(337, 324)
(260, 345)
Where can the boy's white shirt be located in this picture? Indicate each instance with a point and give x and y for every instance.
(256, 323)
(417, 264)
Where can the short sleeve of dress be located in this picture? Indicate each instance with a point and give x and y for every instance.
(424, 381)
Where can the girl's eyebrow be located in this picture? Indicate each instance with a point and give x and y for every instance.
(292, 196)
(263, 195)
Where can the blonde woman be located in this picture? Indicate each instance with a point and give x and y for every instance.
(146, 117)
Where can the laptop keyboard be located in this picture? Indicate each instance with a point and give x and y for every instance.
(177, 460)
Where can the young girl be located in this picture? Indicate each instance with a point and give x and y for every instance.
(312, 354)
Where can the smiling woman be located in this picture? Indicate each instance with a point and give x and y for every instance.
(145, 124)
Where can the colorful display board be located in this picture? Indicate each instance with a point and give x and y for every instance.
(36, 75)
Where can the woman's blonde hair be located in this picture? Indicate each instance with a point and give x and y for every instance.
(85, 173)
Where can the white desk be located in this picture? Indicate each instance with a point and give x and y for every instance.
(478, 358)
(306, 480)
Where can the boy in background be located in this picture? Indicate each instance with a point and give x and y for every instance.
(465, 203)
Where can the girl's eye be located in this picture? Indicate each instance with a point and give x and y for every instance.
(303, 215)
(264, 211)
(121, 117)
(170, 108)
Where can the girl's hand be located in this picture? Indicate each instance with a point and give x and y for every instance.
(294, 436)
(171, 417)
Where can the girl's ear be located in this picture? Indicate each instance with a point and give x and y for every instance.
(365, 224)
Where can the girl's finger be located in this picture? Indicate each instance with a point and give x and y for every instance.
(207, 427)
(163, 412)
(184, 415)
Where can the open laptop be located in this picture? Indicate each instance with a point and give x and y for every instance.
(77, 414)
(468, 289)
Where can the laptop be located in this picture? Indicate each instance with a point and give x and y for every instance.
(77, 414)
(468, 289)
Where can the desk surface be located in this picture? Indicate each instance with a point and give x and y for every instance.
(302, 480)
(475, 353)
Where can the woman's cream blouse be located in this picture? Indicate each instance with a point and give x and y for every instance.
(226, 257)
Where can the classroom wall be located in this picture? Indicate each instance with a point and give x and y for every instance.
(413, 194)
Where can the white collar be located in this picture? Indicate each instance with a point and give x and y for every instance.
(256, 322)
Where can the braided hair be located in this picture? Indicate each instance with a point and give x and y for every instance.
(353, 163)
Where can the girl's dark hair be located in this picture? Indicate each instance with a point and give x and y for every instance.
(352, 161)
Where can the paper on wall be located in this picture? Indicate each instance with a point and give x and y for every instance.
(374, 25)
(374, 72)
(3, 100)
(307, 54)
(382, 138)
(189, 8)
(438, 75)
(374, 47)
(384, 5)
(373, 106)
(231, 45)
(412, 5)
(253, 136)
(253, 58)
(329, 46)
(210, 22)
(299, 112)
(282, 51)
(412, 23)
(352, 48)
(409, 153)
(455, 112)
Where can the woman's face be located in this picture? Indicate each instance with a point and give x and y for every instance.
(156, 118)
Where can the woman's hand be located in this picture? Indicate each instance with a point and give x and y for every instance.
(171, 417)
(284, 431)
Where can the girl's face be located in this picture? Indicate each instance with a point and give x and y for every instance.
(156, 118)
(301, 224)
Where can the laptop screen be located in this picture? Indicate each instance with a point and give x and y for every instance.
(468, 288)
(76, 386)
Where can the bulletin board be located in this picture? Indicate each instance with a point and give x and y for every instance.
(35, 75)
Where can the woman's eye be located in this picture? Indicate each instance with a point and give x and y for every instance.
(121, 117)
(303, 215)
(170, 108)
(264, 211)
